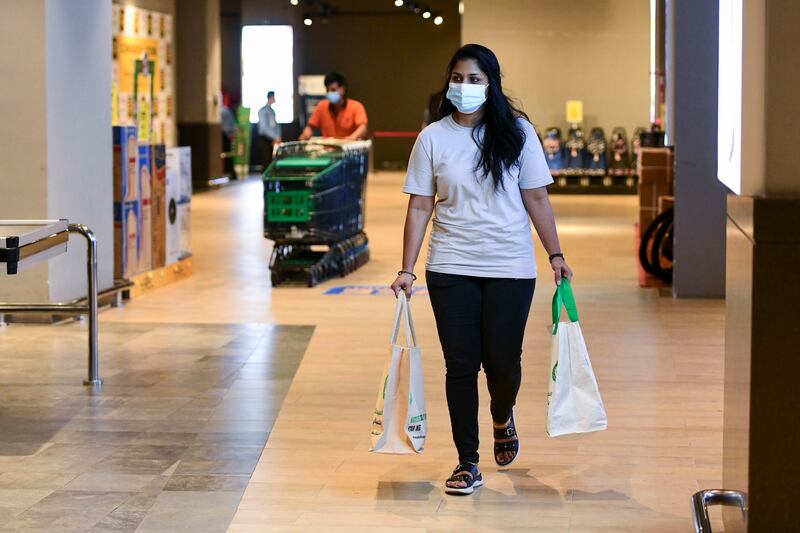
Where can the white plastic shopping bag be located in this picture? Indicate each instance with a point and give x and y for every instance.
(400, 423)
(574, 404)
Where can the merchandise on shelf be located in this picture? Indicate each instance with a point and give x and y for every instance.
(575, 151)
(178, 202)
(619, 160)
(145, 175)
(127, 202)
(158, 208)
(596, 153)
(554, 151)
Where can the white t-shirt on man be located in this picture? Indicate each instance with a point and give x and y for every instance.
(477, 230)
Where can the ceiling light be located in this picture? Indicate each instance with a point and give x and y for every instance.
(294, 2)
(438, 20)
(426, 14)
(307, 21)
(398, 3)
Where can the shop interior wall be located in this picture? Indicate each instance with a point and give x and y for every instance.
(393, 63)
(393, 60)
(230, 32)
(591, 50)
(700, 198)
(253, 12)
(23, 174)
(49, 170)
(79, 166)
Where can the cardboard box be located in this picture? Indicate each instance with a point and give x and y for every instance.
(127, 239)
(657, 178)
(173, 229)
(158, 209)
(146, 239)
(127, 207)
(126, 157)
(185, 199)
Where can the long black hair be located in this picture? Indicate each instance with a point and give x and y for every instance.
(503, 137)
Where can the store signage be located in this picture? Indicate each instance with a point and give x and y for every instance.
(367, 290)
(574, 111)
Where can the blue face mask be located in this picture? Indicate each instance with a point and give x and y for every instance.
(333, 97)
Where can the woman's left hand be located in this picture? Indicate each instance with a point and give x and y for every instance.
(561, 269)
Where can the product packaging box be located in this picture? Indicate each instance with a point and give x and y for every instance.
(173, 227)
(145, 175)
(127, 206)
(158, 207)
(185, 202)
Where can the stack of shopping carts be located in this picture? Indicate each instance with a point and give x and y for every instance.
(314, 209)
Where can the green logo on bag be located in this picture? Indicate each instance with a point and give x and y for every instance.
(553, 374)
(420, 418)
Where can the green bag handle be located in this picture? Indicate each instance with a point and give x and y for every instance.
(564, 297)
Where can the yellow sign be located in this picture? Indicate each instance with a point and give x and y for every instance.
(574, 111)
(129, 49)
(114, 104)
(144, 119)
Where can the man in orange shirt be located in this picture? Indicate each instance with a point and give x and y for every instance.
(337, 116)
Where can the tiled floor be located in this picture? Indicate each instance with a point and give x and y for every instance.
(195, 374)
(168, 444)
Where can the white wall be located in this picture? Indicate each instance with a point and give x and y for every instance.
(551, 51)
(55, 144)
(23, 172)
(79, 144)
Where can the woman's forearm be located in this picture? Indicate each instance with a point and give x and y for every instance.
(541, 212)
(417, 219)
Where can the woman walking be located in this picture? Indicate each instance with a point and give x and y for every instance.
(481, 171)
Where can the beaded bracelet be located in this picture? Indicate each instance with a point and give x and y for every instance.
(409, 273)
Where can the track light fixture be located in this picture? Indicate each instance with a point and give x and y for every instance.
(294, 2)
(399, 3)
(438, 20)
(426, 14)
(308, 21)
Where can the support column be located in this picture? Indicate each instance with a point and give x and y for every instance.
(762, 330)
(699, 249)
(199, 85)
(56, 141)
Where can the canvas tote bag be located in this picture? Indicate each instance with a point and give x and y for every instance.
(399, 424)
(574, 404)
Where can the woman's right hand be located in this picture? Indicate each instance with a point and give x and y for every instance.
(404, 282)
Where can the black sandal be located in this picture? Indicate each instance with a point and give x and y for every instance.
(507, 446)
(469, 474)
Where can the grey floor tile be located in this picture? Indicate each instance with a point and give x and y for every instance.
(167, 444)
(199, 512)
(207, 483)
(110, 482)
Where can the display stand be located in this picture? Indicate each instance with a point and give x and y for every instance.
(24, 243)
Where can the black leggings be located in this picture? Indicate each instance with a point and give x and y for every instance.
(480, 320)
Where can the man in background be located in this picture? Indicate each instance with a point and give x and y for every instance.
(269, 131)
(337, 116)
(227, 122)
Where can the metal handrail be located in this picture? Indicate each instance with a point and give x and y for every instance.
(89, 308)
(702, 499)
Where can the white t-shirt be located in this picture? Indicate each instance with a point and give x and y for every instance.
(477, 230)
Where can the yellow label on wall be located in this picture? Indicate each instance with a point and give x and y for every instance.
(144, 120)
(574, 111)
(114, 104)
